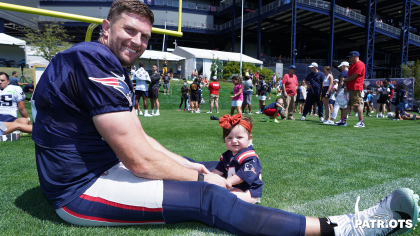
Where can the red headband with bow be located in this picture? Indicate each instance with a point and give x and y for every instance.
(226, 121)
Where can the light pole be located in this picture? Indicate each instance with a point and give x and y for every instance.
(242, 38)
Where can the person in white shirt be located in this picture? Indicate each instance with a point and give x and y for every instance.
(12, 99)
(302, 99)
(142, 78)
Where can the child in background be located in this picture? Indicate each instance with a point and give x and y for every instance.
(274, 110)
(269, 90)
(184, 96)
(369, 102)
(238, 96)
(240, 164)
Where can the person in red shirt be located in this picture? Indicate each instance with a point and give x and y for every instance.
(355, 80)
(290, 84)
(214, 87)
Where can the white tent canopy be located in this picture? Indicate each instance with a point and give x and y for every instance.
(210, 54)
(158, 55)
(9, 40)
(12, 49)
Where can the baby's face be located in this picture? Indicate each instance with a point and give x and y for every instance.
(238, 139)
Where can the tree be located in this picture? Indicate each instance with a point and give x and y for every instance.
(413, 72)
(233, 68)
(50, 39)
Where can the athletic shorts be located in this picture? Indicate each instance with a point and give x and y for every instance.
(178, 72)
(141, 93)
(237, 103)
(247, 99)
(154, 93)
(166, 85)
(302, 101)
(214, 98)
(7, 118)
(324, 92)
(262, 98)
(195, 97)
(271, 112)
(332, 102)
(355, 97)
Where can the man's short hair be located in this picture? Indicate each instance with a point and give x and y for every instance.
(5, 74)
(133, 6)
(14, 72)
(141, 64)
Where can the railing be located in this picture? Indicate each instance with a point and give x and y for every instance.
(350, 14)
(316, 3)
(185, 24)
(169, 3)
(415, 38)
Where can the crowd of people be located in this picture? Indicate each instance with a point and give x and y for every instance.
(319, 94)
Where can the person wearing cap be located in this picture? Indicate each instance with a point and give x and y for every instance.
(289, 87)
(327, 85)
(214, 87)
(315, 79)
(355, 80)
(344, 67)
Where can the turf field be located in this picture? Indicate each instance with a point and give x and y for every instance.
(308, 168)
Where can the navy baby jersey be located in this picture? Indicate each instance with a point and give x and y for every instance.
(246, 165)
(79, 83)
(272, 106)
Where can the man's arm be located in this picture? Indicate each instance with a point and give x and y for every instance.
(21, 84)
(22, 109)
(146, 157)
(350, 78)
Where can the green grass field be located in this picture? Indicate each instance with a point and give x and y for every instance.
(308, 168)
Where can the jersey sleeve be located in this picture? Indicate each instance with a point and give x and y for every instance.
(220, 167)
(19, 94)
(102, 86)
(250, 170)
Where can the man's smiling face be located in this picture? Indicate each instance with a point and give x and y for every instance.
(127, 36)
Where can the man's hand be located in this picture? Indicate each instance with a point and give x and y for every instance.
(217, 180)
(196, 166)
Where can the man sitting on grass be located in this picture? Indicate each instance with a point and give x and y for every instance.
(88, 166)
(12, 99)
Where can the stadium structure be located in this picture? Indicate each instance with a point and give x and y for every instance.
(385, 32)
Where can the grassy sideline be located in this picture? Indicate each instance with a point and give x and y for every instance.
(308, 168)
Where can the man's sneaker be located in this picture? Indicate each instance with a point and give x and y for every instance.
(368, 114)
(157, 114)
(321, 119)
(258, 112)
(192, 111)
(383, 116)
(401, 204)
(209, 112)
(303, 118)
(360, 124)
(275, 121)
(198, 111)
(341, 123)
(217, 111)
(338, 121)
(250, 113)
(328, 122)
(140, 113)
(148, 114)
(377, 115)
(356, 114)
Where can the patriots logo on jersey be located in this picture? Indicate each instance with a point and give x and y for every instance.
(118, 83)
(249, 167)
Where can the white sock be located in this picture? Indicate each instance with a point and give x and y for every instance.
(152, 111)
(145, 111)
(157, 110)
